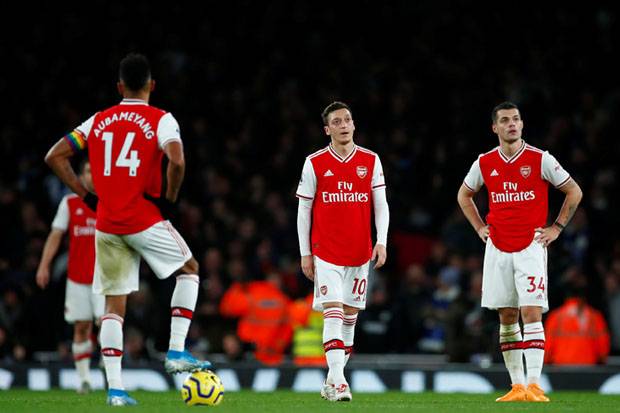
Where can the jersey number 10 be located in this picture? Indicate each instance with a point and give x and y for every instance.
(123, 161)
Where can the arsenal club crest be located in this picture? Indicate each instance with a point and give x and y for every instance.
(526, 170)
(323, 289)
(362, 171)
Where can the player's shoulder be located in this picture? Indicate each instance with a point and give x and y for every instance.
(70, 197)
(366, 151)
(531, 148)
(492, 152)
(318, 153)
(157, 110)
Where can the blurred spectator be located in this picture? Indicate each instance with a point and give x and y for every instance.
(307, 333)
(373, 332)
(469, 327)
(410, 306)
(576, 333)
(262, 309)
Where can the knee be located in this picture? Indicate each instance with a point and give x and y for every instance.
(508, 315)
(348, 310)
(190, 267)
(531, 314)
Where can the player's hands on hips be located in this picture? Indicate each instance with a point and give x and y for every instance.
(546, 236)
(91, 200)
(43, 277)
(166, 207)
(307, 267)
(483, 233)
(379, 253)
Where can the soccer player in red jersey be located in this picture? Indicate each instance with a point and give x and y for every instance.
(517, 176)
(81, 305)
(339, 188)
(126, 144)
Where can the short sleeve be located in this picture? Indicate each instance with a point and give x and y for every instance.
(167, 130)
(378, 179)
(86, 126)
(552, 171)
(61, 220)
(474, 180)
(307, 183)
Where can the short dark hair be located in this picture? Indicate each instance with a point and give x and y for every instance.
(502, 106)
(134, 71)
(333, 107)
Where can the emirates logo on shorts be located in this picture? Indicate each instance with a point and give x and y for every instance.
(362, 171)
(323, 289)
(526, 170)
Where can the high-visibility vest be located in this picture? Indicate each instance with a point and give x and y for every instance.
(308, 334)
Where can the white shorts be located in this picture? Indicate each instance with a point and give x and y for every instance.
(81, 304)
(515, 279)
(117, 257)
(339, 284)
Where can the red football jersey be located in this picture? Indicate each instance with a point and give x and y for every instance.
(342, 192)
(518, 193)
(125, 151)
(74, 217)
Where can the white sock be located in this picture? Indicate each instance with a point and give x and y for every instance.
(111, 336)
(510, 342)
(81, 356)
(534, 350)
(182, 306)
(333, 344)
(348, 333)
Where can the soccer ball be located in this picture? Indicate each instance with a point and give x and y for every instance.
(202, 388)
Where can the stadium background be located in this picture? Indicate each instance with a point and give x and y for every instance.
(247, 82)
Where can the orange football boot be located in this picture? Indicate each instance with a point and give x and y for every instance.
(538, 392)
(518, 393)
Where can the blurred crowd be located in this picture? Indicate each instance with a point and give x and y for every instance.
(247, 85)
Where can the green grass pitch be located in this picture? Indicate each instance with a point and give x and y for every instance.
(65, 401)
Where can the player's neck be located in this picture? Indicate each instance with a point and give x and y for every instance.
(510, 148)
(137, 95)
(343, 149)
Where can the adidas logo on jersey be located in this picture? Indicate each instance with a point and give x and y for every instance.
(328, 173)
(494, 173)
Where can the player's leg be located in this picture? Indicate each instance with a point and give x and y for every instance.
(499, 292)
(116, 275)
(348, 330)
(82, 350)
(111, 336)
(531, 279)
(328, 285)
(182, 308)
(534, 348)
(354, 296)
(164, 249)
(79, 313)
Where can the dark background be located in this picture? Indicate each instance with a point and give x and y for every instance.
(247, 82)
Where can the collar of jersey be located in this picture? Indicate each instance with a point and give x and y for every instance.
(513, 157)
(128, 101)
(340, 158)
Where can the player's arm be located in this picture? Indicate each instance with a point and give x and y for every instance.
(305, 192)
(382, 222)
(176, 169)
(465, 199)
(58, 159)
(304, 223)
(52, 244)
(571, 202)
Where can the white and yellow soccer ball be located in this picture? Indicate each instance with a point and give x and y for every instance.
(202, 388)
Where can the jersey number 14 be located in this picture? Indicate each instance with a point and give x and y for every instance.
(126, 159)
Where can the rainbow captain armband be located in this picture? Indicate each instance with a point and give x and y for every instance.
(76, 140)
